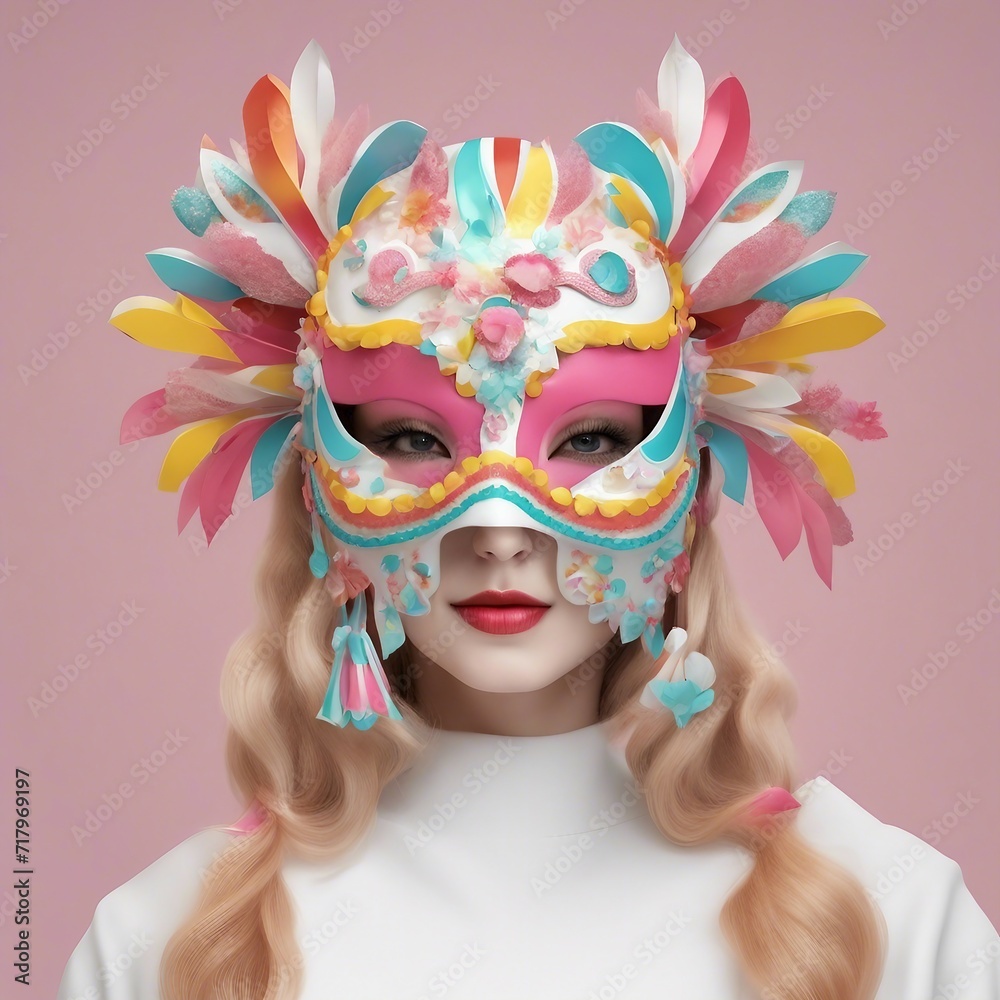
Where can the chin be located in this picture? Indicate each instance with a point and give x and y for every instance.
(524, 661)
(497, 675)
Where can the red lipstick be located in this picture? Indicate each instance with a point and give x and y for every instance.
(501, 612)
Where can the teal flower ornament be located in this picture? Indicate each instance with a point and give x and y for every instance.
(684, 684)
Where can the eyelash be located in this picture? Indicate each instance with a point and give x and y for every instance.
(612, 429)
(398, 428)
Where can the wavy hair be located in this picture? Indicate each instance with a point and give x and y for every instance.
(801, 925)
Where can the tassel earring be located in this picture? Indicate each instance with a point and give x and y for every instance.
(358, 691)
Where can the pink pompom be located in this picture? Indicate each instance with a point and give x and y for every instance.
(499, 329)
(532, 279)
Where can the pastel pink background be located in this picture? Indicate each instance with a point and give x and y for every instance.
(880, 99)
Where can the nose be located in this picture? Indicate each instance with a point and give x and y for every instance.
(503, 543)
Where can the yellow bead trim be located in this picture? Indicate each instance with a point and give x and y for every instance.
(642, 336)
(347, 338)
(434, 494)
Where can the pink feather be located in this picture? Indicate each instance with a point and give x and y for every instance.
(749, 266)
(430, 169)
(655, 122)
(574, 182)
(147, 417)
(239, 257)
(338, 148)
(224, 466)
(718, 162)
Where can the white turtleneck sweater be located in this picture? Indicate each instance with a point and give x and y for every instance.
(502, 868)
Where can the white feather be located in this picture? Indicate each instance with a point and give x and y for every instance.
(680, 89)
(313, 101)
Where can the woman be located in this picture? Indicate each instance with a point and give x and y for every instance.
(488, 382)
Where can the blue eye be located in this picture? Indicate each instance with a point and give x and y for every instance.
(610, 273)
(587, 442)
(406, 440)
(426, 441)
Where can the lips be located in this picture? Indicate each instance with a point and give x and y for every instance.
(501, 612)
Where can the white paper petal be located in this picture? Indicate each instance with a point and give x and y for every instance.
(698, 668)
(680, 89)
(313, 100)
(769, 391)
(241, 157)
(678, 190)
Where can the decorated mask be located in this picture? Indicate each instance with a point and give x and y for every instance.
(500, 287)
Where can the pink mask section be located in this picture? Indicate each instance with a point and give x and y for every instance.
(591, 376)
(406, 384)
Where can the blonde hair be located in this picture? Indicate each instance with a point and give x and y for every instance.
(801, 925)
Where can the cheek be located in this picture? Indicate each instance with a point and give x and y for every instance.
(424, 472)
(566, 471)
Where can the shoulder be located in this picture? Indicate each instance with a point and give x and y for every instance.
(938, 935)
(118, 956)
